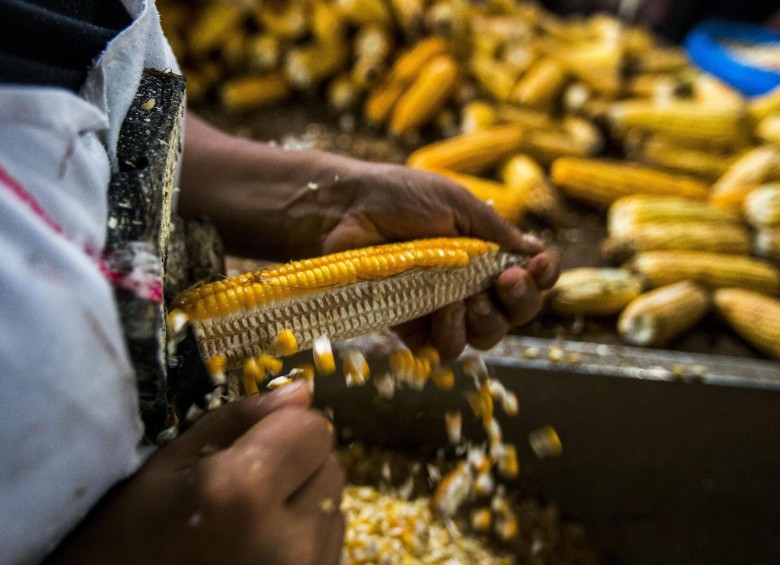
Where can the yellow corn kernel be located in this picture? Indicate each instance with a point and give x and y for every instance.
(506, 527)
(753, 168)
(541, 85)
(477, 115)
(279, 382)
(766, 243)
(685, 120)
(323, 355)
(355, 366)
(452, 491)
(754, 316)
(425, 96)
(595, 291)
(215, 367)
(481, 520)
(762, 206)
(601, 182)
(470, 152)
(285, 343)
(401, 364)
(251, 375)
(443, 378)
(507, 201)
(545, 442)
(713, 270)
(269, 364)
(689, 236)
(524, 174)
(250, 93)
(494, 77)
(657, 317)
(507, 463)
(453, 421)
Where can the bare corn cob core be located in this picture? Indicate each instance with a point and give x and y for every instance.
(340, 295)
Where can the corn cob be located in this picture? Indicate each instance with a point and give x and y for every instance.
(659, 59)
(528, 117)
(754, 316)
(425, 96)
(768, 129)
(766, 243)
(381, 100)
(599, 65)
(601, 182)
(477, 115)
(716, 238)
(652, 85)
(448, 18)
(363, 12)
(541, 85)
(309, 64)
(252, 92)
(263, 52)
(213, 23)
(524, 174)
(762, 206)
(285, 20)
(761, 106)
(751, 169)
(595, 291)
(493, 76)
(664, 153)
(340, 295)
(713, 270)
(508, 201)
(685, 120)
(708, 89)
(470, 152)
(631, 212)
(655, 318)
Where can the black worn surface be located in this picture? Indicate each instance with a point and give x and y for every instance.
(139, 209)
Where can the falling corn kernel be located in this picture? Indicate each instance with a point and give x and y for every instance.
(453, 419)
(429, 354)
(215, 367)
(270, 364)
(545, 442)
(279, 382)
(356, 371)
(507, 463)
(252, 374)
(385, 385)
(323, 355)
(484, 484)
(478, 460)
(421, 370)
(285, 343)
(402, 364)
(506, 527)
(452, 491)
(481, 520)
(474, 366)
(509, 403)
(443, 378)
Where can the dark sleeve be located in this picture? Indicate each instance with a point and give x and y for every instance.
(54, 42)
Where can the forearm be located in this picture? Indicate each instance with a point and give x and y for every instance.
(249, 187)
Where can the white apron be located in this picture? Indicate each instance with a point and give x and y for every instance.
(70, 424)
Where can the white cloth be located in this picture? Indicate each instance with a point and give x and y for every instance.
(70, 425)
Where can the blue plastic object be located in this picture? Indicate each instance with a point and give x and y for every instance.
(705, 47)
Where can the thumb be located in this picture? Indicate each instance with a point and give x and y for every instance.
(220, 428)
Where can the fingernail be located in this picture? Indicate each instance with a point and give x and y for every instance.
(550, 269)
(481, 306)
(288, 389)
(518, 290)
(533, 241)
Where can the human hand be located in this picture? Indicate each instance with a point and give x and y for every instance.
(253, 482)
(277, 204)
(381, 203)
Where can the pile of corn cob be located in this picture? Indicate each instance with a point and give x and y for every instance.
(524, 108)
